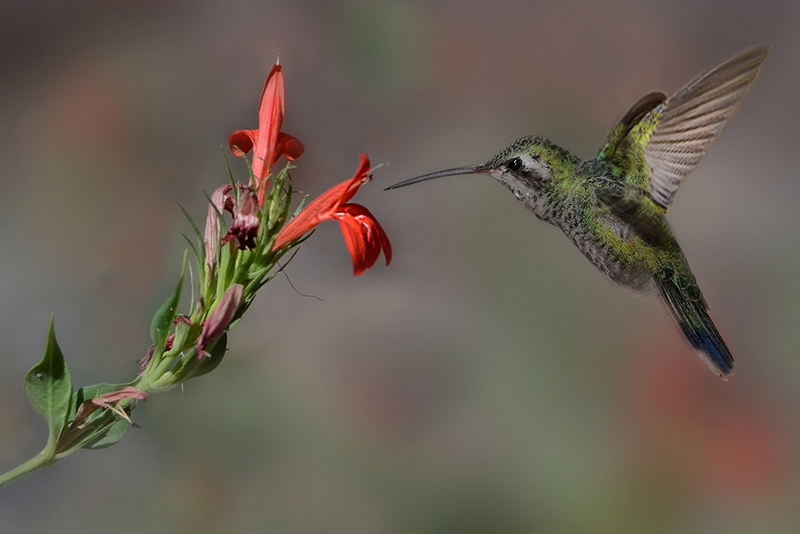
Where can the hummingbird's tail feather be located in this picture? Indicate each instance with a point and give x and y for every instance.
(691, 313)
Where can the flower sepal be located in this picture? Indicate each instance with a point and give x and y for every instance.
(194, 366)
(100, 417)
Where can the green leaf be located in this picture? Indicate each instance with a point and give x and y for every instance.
(196, 230)
(49, 388)
(111, 436)
(214, 358)
(162, 320)
(231, 178)
(300, 207)
(273, 204)
(200, 260)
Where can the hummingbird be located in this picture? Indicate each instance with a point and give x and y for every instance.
(613, 207)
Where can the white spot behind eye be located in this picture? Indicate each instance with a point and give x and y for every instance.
(535, 165)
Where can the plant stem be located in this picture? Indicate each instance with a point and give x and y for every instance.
(43, 459)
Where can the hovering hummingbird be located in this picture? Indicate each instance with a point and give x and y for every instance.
(612, 207)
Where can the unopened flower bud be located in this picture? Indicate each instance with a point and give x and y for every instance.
(219, 318)
(220, 201)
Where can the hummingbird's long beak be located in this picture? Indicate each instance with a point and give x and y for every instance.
(471, 169)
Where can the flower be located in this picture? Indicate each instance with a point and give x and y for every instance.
(362, 233)
(268, 143)
(718, 438)
(245, 220)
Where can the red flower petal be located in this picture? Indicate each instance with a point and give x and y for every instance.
(242, 141)
(270, 118)
(364, 237)
(289, 147)
(323, 208)
(356, 243)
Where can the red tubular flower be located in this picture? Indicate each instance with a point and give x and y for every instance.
(362, 233)
(268, 143)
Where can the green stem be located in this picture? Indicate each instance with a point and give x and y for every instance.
(43, 459)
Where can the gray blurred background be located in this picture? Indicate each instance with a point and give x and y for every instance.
(489, 380)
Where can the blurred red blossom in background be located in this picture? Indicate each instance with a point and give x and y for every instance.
(717, 435)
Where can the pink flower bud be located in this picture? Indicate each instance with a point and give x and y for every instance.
(219, 318)
(220, 201)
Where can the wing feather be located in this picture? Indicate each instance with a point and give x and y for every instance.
(676, 134)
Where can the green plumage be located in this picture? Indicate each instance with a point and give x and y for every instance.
(613, 207)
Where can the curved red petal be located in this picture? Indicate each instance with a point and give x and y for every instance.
(357, 243)
(373, 245)
(271, 107)
(383, 240)
(323, 207)
(358, 179)
(377, 232)
(296, 228)
(289, 147)
(242, 141)
(320, 209)
(363, 165)
(363, 236)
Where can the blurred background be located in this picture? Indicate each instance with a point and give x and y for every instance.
(489, 380)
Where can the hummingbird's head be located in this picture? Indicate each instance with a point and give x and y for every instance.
(525, 164)
(527, 167)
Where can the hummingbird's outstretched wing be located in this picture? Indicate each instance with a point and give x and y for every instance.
(619, 149)
(674, 134)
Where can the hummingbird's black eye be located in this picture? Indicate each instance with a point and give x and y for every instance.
(514, 164)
